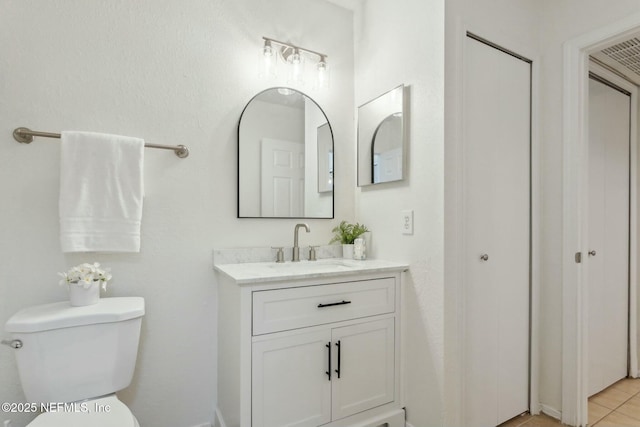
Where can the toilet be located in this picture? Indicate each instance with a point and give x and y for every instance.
(74, 359)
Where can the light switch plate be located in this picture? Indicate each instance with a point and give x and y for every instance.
(407, 222)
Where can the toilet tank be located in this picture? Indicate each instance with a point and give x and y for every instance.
(75, 353)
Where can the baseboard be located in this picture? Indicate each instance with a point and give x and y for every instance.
(219, 420)
(552, 412)
(535, 409)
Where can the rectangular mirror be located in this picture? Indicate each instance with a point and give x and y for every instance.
(381, 139)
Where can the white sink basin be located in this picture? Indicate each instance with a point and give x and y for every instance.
(263, 272)
(314, 266)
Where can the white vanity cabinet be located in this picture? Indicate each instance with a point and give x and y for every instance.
(308, 352)
(307, 378)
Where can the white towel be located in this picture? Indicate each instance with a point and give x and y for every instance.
(101, 191)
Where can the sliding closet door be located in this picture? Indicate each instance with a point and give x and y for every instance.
(497, 141)
(608, 258)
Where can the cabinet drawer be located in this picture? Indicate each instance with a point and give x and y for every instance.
(291, 308)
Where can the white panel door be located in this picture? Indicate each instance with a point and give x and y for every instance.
(282, 178)
(364, 367)
(608, 259)
(497, 141)
(290, 385)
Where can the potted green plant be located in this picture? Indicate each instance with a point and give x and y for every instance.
(345, 233)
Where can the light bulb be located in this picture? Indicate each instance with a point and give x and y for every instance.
(296, 68)
(322, 76)
(268, 59)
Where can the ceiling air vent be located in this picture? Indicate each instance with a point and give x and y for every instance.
(626, 53)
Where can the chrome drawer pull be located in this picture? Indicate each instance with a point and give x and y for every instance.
(334, 303)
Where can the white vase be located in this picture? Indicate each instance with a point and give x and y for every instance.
(80, 296)
(347, 251)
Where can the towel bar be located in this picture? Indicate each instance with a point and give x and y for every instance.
(25, 136)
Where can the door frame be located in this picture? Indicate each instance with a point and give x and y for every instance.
(575, 221)
(454, 217)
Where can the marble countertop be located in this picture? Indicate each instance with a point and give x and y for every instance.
(264, 272)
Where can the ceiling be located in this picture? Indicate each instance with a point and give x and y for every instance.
(623, 57)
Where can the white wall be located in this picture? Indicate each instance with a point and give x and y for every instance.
(403, 42)
(172, 72)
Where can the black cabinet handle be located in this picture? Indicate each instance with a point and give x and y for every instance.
(338, 370)
(329, 360)
(334, 303)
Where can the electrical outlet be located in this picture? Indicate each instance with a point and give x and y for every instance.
(407, 222)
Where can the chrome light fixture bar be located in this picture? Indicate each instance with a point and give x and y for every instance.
(293, 56)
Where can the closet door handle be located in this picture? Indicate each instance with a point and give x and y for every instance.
(339, 357)
(328, 345)
(484, 257)
(592, 252)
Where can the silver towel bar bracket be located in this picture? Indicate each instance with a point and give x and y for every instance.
(25, 136)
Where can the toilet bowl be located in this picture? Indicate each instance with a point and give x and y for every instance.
(102, 412)
(72, 360)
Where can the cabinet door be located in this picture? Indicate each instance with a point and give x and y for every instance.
(364, 367)
(290, 387)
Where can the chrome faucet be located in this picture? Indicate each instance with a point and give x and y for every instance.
(296, 248)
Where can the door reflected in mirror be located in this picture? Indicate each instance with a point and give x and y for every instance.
(285, 157)
(381, 139)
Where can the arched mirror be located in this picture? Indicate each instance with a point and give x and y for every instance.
(386, 150)
(285, 157)
(381, 139)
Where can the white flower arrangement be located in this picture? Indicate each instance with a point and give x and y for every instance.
(86, 274)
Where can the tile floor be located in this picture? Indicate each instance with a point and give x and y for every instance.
(527, 420)
(616, 406)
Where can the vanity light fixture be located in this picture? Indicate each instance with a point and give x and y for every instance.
(294, 57)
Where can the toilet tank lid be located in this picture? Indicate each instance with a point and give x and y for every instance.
(62, 315)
